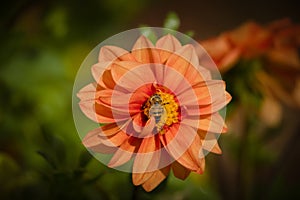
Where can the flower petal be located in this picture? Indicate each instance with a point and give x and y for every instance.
(148, 128)
(190, 159)
(156, 178)
(131, 75)
(144, 52)
(147, 157)
(210, 123)
(92, 138)
(113, 128)
(88, 92)
(107, 80)
(98, 70)
(210, 143)
(106, 114)
(140, 178)
(146, 161)
(125, 152)
(180, 171)
(101, 148)
(167, 45)
(179, 141)
(114, 140)
(112, 53)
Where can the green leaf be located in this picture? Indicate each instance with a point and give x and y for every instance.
(48, 158)
(84, 159)
(172, 21)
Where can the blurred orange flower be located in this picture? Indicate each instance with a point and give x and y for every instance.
(159, 106)
(277, 44)
(247, 41)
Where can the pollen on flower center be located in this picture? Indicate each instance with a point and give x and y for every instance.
(163, 107)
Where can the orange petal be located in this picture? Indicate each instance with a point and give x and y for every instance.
(114, 140)
(121, 67)
(180, 142)
(167, 45)
(140, 178)
(183, 59)
(157, 177)
(106, 114)
(216, 105)
(101, 148)
(210, 143)
(113, 128)
(107, 80)
(144, 51)
(213, 123)
(92, 138)
(230, 59)
(88, 108)
(98, 70)
(118, 102)
(138, 122)
(217, 47)
(146, 154)
(148, 128)
(125, 152)
(210, 123)
(180, 171)
(209, 91)
(127, 77)
(112, 53)
(190, 159)
(88, 92)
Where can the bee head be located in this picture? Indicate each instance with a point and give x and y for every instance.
(156, 99)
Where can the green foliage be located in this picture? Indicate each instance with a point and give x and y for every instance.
(172, 21)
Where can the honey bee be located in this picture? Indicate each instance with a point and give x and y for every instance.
(158, 111)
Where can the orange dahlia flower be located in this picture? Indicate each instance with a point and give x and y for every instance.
(159, 108)
(247, 41)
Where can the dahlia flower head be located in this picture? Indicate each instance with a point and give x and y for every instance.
(154, 106)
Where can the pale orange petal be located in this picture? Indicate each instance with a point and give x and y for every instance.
(157, 177)
(101, 148)
(229, 60)
(190, 159)
(112, 53)
(140, 178)
(107, 114)
(183, 59)
(167, 45)
(217, 105)
(144, 51)
(92, 138)
(88, 108)
(98, 70)
(114, 140)
(148, 128)
(217, 47)
(180, 171)
(107, 80)
(146, 154)
(125, 152)
(88, 92)
(210, 143)
(183, 145)
(112, 128)
(128, 75)
(210, 123)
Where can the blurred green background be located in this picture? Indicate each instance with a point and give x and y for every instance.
(43, 44)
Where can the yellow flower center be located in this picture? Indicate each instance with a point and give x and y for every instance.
(163, 107)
